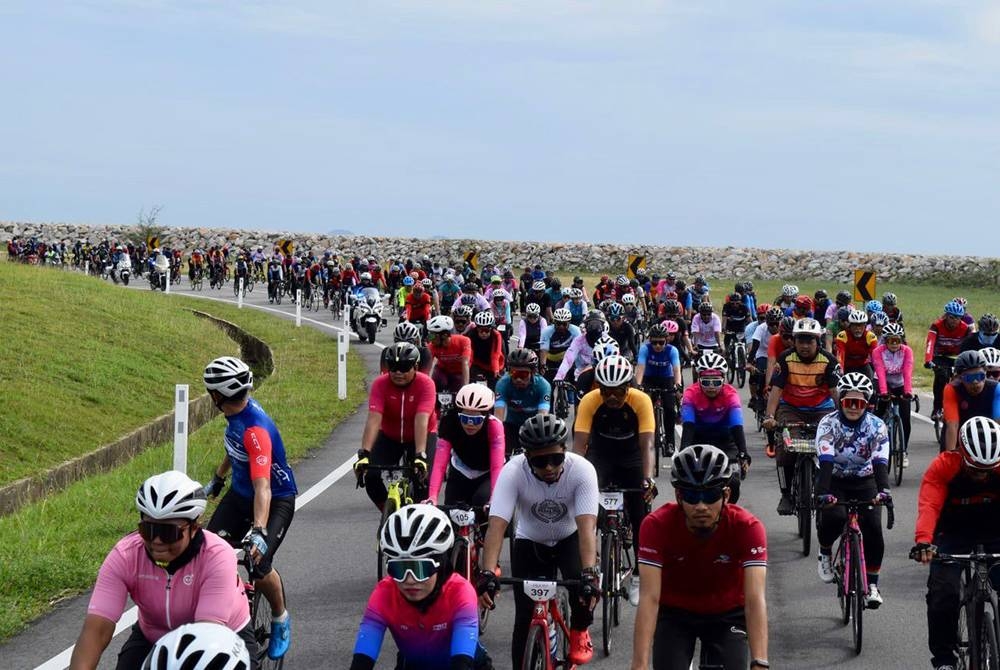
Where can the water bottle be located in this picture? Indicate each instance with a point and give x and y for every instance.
(552, 638)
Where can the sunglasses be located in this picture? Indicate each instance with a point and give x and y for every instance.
(993, 374)
(698, 496)
(657, 343)
(471, 419)
(167, 532)
(400, 366)
(421, 569)
(542, 462)
(531, 317)
(521, 374)
(483, 329)
(854, 403)
(973, 377)
(617, 391)
(710, 382)
(440, 336)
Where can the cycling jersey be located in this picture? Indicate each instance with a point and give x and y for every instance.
(429, 638)
(578, 356)
(450, 356)
(806, 385)
(471, 455)
(530, 334)
(658, 364)
(703, 333)
(712, 415)
(978, 341)
(944, 341)
(204, 588)
(577, 310)
(556, 342)
(702, 575)
(256, 450)
(399, 405)
(418, 306)
(853, 450)
(487, 354)
(893, 370)
(959, 406)
(546, 513)
(853, 352)
(522, 404)
(736, 314)
(614, 432)
(951, 501)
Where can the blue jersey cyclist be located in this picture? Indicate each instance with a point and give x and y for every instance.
(658, 372)
(521, 394)
(259, 505)
(430, 611)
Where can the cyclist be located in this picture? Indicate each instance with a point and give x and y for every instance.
(842, 299)
(802, 308)
(500, 306)
(944, 343)
(855, 345)
(853, 448)
(658, 373)
(876, 325)
(539, 295)
(487, 349)
(970, 394)
(803, 389)
(672, 311)
(821, 304)
(893, 362)
(577, 305)
(992, 356)
(469, 449)
(400, 417)
(448, 291)
(735, 317)
(170, 545)
(891, 309)
(985, 335)
(711, 413)
(531, 327)
(956, 512)
(521, 394)
(835, 326)
(452, 354)
(789, 292)
(555, 340)
(462, 317)
(778, 345)
(757, 355)
(605, 346)
(260, 503)
(418, 304)
(579, 354)
(706, 330)
(429, 609)
(703, 569)
(620, 329)
(554, 495)
(199, 645)
(407, 332)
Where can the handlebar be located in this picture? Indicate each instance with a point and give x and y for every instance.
(852, 505)
(514, 581)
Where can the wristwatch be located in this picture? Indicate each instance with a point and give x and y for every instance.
(759, 663)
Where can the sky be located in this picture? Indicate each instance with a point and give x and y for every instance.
(839, 125)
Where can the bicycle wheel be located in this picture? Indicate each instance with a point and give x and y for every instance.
(937, 430)
(731, 372)
(989, 654)
(896, 450)
(858, 602)
(536, 649)
(387, 509)
(840, 575)
(803, 505)
(741, 367)
(660, 437)
(609, 569)
(261, 610)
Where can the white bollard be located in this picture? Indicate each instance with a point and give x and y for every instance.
(239, 295)
(86, 268)
(180, 427)
(167, 283)
(342, 344)
(298, 308)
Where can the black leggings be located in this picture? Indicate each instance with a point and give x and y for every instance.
(389, 452)
(941, 377)
(831, 521)
(611, 474)
(461, 489)
(137, 647)
(723, 640)
(896, 396)
(531, 560)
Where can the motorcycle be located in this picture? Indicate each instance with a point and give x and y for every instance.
(368, 314)
(124, 273)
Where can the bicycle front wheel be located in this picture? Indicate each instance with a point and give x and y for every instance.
(841, 575)
(661, 435)
(609, 569)
(261, 621)
(741, 367)
(856, 588)
(896, 451)
(989, 654)
(387, 510)
(803, 506)
(536, 650)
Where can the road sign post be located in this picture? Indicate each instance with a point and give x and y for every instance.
(864, 285)
(635, 261)
(298, 308)
(180, 427)
(342, 365)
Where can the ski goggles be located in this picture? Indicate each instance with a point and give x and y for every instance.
(471, 419)
(167, 532)
(973, 377)
(521, 374)
(421, 569)
(711, 382)
(698, 496)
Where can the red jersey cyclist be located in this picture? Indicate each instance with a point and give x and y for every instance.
(944, 343)
(452, 354)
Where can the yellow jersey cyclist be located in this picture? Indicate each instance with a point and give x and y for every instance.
(614, 430)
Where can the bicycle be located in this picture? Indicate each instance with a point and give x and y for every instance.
(945, 370)
(850, 574)
(548, 633)
(469, 541)
(398, 480)
(615, 530)
(736, 357)
(978, 614)
(563, 395)
(336, 305)
(197, 279)
(897, 445)
(260, 614)
(663, 445)
(806, 465)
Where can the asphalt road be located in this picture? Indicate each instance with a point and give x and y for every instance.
(327, 562)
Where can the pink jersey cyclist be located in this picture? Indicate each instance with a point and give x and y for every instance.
(473, 462)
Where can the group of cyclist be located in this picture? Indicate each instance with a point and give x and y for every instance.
(472, 409)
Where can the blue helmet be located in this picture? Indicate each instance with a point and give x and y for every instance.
(873, 306)
(954, 308)
(407, 281)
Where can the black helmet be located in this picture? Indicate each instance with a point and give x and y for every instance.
(989, 324)
(671, 308)
(522, 358)
(843, 298)
(843, 313)
(967, 360)
(786, 326)
(399, 352)
(542, 430)
(657, 330)
(700, 466)
(820, 295)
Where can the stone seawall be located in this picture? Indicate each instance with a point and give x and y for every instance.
(713, 262)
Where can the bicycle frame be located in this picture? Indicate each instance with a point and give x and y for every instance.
(978, 596)
(545, 595)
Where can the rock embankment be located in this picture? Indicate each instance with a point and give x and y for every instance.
(712, 262)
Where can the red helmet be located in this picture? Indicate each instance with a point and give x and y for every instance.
(804, 303)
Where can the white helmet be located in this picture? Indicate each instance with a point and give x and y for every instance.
(981, 443)
(538, 286)
(499, 293)
(366, 275)
(992, 356)
(711, 361)
(605, 346)
(628, 299)
(417, 531)
(562, 315)
(575, 293)
(789, 290)
(406, 332)
(613, 371)
(475, 397)
(228, 375)
(856, 381)
(199, 646)
(808, 327)
(171, 495)
(441, 324)
(857, 316)
(534, 308)
(484, 319)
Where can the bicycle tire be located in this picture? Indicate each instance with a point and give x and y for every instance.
(536, 649)
(858, 603)
(937, 431)
(661, 434)
(989, 654)
(803, 507)
(964, 643)
(562, 640)
(731, 372)
(741, 367)
(261, 619)
(843, 597)
(896, 451)
(387, 509)
(608, 553)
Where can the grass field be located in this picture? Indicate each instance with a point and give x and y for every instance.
(921, 304)
(52, 549)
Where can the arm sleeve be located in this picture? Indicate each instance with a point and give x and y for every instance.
(879, 366)
(929, 349)
(643, 355)
(950, 404)
(739, 437)
(545, 339)
(503, 388)
(840, 344)
(465, 625)
(521, 332)
(544, 394)
(881, 475)
(687, 434)
(934, 493)
(371, 632)
(824, 476)
(880, 450)
(907, 369)
(497, 445)
(257, 443)
(568, 358)
(442, 454)
(996, 402)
